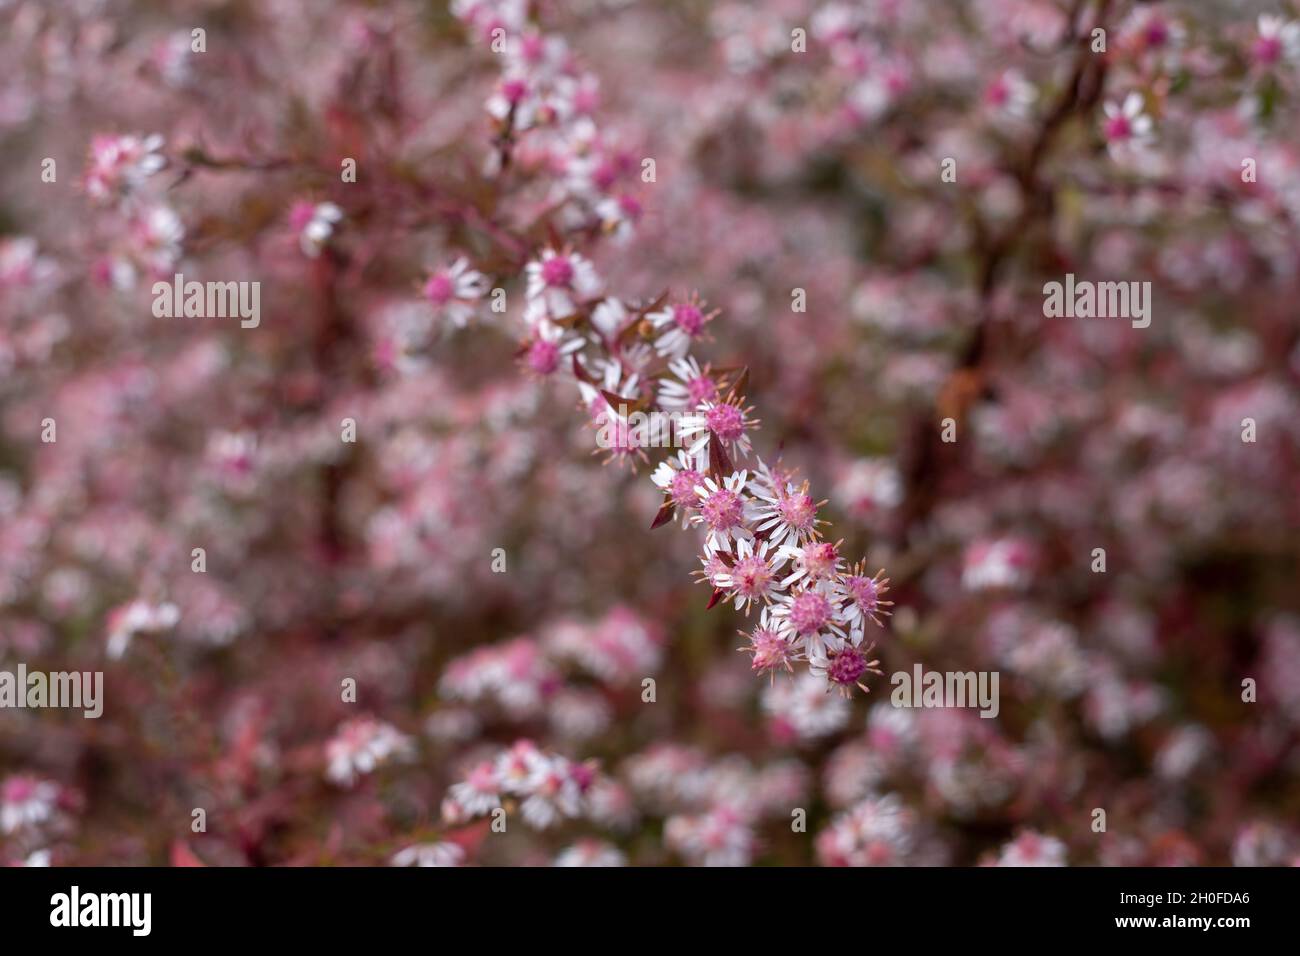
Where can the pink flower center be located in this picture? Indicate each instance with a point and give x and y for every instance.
(722, 510)
(688, 318)
(1118, 128)
(557, 271)
(997, 93)
(809, 612)
(751, 576)
(514, 90)
(543, 357)
(847, 666)
(726, 421)
(439, 289)
(863, 591)
(1267, 50)
(701, 389)
(797, 510)
(683, 487)
(819, 559)
(18, 790)
(770, 651)
(1156, 33)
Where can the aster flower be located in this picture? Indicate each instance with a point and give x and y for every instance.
(1011, 94)
(879, 831)
(138, 617)
(802, 707)
(863, 597)
(314, 223)
(589, 852)
(678, 478)
(723, 511)
(1278, 39)
(687, 385)
(361, 746)
(26, 801)
(769, 651)
(785, 513)
(514, 99)
(1126, 127)
(725, 421)
(429, 855)
(455, 290)
(619, 215)
(813, 561)
(752, 577)
(119, 165)
(560, 280)
(549, 346)
(844, 668)
(679, 325)
(1032, 849)
(811, 617)
(553, 792)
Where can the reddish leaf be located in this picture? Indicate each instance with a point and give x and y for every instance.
(665, 514)
(714, 599)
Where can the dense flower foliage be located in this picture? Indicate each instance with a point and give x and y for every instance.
(359, 587)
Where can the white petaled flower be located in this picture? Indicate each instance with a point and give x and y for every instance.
(1011, 94)
(429, 855)
(813, 561)
(455, 291)
(560, 280)
(158, 233)
(721, 837)
(479, 793)
(753, 577)
(845, 668)
(553, 792)
(1278, 39)
(687, 386)
(725, 421)
(612, 380)
(862, 596)
(679, 325)
(723, 511)
(515, 99)
(785, 513)
(591, 853)
(609, 317)
(619, 216)
(138, 617)
(768, 649)
(1126, 126)
(550, 346)
(120, 164)
(811, 617)
(26, 802)
(678, 478)
(869, 487)
(315, 224)
(361, 746)
(803, 705)
(1032, 849)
